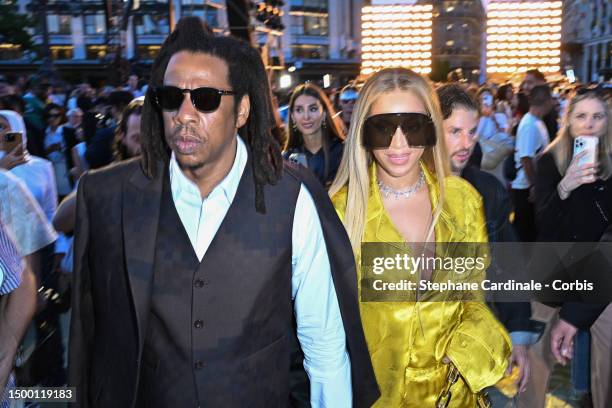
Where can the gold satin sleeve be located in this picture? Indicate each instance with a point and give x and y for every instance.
(480, 345)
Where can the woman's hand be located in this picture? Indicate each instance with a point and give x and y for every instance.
(13, 158)
(576, 175)
(520, 358)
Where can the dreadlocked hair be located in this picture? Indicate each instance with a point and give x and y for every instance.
(247, 76)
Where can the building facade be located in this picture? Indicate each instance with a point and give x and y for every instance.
(587, 39)
(83, 35)
(321, 38)
(458, 37)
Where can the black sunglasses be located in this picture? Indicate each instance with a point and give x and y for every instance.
(203, 99)
(418, 129)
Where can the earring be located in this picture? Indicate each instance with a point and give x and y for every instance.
(324, 124)
(294, 127)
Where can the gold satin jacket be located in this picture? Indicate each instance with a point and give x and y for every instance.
(408, 340)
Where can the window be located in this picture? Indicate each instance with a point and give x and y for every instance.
(94, 24)
(9, 52)
(148, 51)
(315, 25)
(208, 14)
(309, 24)
(61, 52)
(59, 24)
(311, 4)
(308, 51)
(151, 24)
(95, 52)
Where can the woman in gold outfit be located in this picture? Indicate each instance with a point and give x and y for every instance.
(393, 186)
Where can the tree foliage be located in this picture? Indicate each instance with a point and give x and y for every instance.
(13, 26)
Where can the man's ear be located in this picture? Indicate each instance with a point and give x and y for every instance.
(244, 108)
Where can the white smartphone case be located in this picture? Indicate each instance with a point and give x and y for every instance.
(588, 143)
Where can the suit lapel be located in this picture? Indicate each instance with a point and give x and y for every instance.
(140, 216)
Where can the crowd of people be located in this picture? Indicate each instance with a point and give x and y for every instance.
(208, 253)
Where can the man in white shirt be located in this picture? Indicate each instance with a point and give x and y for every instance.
(531, 139)
(206, 252)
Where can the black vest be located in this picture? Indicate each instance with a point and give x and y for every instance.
(219, 331)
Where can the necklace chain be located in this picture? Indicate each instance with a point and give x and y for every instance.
(397, 194)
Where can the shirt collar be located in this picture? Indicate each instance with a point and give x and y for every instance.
(186, 190)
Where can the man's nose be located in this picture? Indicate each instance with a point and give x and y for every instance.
(186, 111)
(466, 140)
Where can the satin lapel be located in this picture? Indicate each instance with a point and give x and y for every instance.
(140, 216)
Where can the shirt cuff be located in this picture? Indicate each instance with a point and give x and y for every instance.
(331, 389)
(522, 338)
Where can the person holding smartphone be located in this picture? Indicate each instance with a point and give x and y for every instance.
(37, 173)
(574, 204)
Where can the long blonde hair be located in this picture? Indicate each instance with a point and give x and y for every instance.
(353, 170)
(562, 147)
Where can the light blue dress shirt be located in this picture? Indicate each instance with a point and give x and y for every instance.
(319, 324)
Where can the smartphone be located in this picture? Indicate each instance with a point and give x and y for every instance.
(11, 140)
(588, 143)
(298, 158)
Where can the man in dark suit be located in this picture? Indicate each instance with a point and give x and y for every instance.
(460, 112)
(192, 263)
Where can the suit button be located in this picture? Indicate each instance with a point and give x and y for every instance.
(200, 283)
(198, 365)
(198, 324)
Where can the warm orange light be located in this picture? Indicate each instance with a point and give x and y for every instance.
(522, 35)
(396, 36)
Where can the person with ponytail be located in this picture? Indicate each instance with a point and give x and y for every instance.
(394, 190)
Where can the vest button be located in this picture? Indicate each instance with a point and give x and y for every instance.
(198, 365)
(200, 283)
(198, 324)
